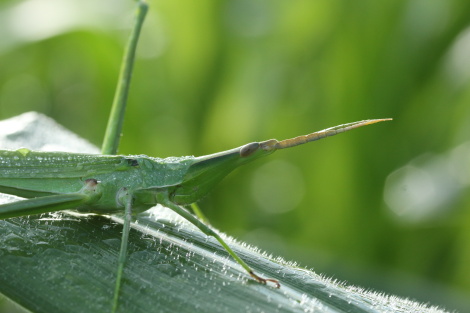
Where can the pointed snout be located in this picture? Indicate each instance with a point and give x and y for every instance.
(207, 171)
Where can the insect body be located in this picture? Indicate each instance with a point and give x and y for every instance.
(106, 184)
(101, 183)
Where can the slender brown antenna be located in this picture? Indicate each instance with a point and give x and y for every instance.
(300, 140)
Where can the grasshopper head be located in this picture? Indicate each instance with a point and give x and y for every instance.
(208, 170)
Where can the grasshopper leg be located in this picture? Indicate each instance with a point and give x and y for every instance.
(197, 211)
(162, 198)
(122, 251)
(43, 204)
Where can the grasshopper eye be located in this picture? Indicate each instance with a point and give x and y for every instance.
(248, 149)
(132, 162)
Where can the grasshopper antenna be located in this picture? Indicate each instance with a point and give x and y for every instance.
(273, 144)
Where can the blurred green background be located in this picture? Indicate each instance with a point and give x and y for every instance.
(385, 207)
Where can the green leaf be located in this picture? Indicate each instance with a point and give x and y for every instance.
(64, 262)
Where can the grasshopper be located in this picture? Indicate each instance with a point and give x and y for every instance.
(108, 183)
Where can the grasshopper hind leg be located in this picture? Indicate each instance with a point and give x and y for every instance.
(44, 204)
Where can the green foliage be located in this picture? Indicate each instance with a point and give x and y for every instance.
(213, 75)
(65, 262)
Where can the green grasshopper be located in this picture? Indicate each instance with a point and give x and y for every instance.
(109, 183)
